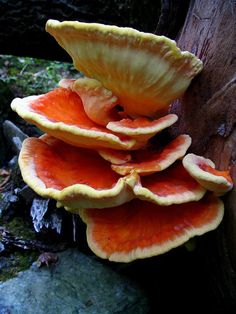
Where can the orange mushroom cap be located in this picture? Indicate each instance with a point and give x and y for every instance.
(141, 229)
(116, 157)
(142, 73)
(146, 72)
(60, 113)
(203, 170)
(147, 161)
(171, 186)
(142, 129)
(98, 102)
(75, 177)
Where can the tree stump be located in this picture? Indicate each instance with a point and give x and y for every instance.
(207, 112)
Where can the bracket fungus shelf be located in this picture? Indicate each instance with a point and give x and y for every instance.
(146, 72)
(141, 229)
(96, 158)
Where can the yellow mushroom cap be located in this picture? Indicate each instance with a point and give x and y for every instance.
(146, 72)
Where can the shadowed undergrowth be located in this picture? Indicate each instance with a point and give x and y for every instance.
(28, 76)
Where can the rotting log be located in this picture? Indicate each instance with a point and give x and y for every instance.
(207, 112)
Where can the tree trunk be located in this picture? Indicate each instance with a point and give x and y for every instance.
(207, 112)
(22, 23)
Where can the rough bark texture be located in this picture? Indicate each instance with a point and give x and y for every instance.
(207, 113)
(172, 15)
(22, 22)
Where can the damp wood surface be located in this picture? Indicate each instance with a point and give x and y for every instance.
(207, 112)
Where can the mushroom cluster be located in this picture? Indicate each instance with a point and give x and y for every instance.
(96, 158)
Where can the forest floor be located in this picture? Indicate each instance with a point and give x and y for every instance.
(28, 76)
(20, 77)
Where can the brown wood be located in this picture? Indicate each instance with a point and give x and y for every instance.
(172, 16)
(207, 112)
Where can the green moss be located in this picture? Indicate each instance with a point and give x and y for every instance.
(12, 263)
(20, 228)
(16, 262)
(29, 76)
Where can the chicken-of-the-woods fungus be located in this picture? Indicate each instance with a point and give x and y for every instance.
(140, 229)
(96, 159)
(203, 170)
(171, 186)
(146, 72)
(148, 161)
(75, 177)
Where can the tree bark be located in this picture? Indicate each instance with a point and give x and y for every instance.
(207, 112)
(172, 15)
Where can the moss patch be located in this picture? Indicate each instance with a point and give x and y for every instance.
(20, 228)
(16, 262)
(11, 263)
(28, 76)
